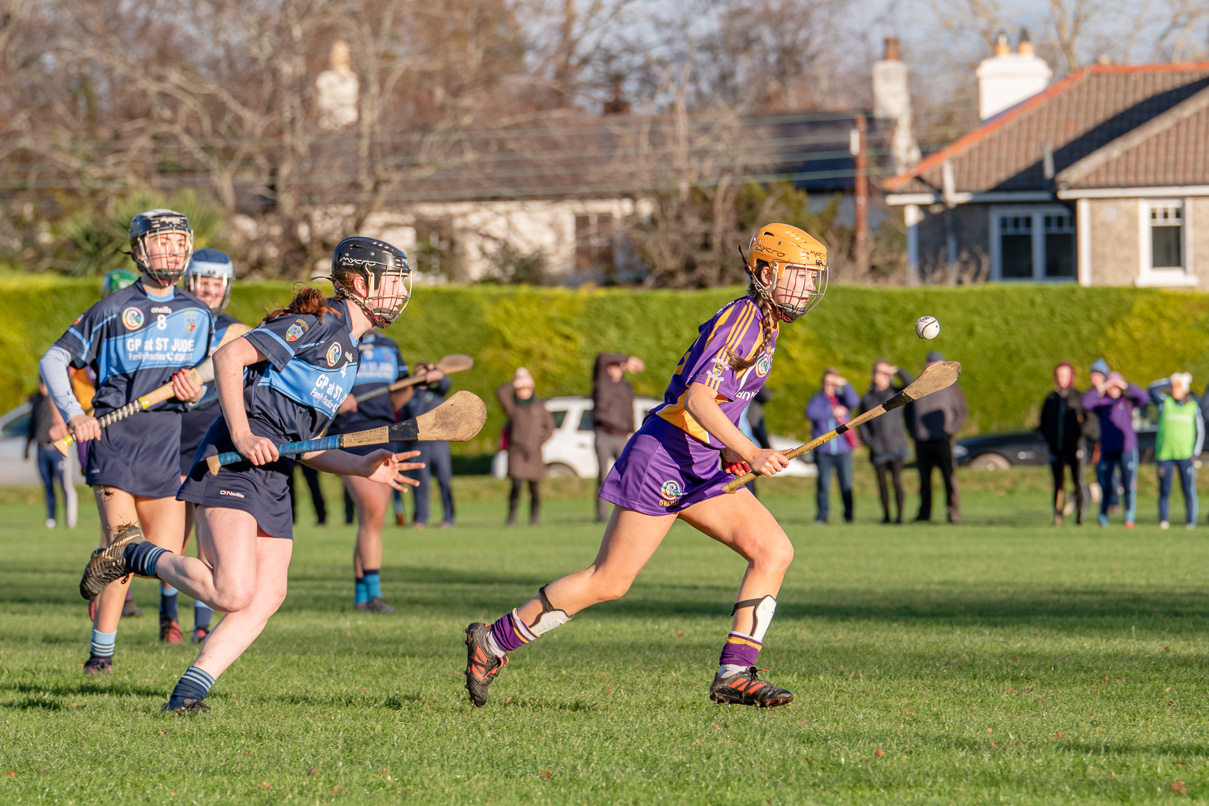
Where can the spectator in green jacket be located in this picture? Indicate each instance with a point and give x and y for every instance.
(1178, 442)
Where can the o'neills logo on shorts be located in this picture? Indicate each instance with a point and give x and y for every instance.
(231, 493)
(671, 493)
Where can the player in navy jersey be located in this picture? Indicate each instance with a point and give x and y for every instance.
(209, 278)
(136, 339)
(283, 382)
(380, 365)
(676, 465)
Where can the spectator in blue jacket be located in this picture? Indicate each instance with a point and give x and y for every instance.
(831, 406)
(1113, 403)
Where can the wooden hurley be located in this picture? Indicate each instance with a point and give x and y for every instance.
(449, 364)
(933, 379)
(456, 420)
(202, 373)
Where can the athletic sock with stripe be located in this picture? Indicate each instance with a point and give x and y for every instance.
(194, 684)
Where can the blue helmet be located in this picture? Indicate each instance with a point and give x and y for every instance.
(211, 263)
(150, 224)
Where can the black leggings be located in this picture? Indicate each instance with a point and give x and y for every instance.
(895, 468)
(1071, 458)
(535, 500)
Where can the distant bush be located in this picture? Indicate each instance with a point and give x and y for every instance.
(1007, 337)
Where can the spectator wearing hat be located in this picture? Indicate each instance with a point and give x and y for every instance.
(933, 421)
(886, 436)
(832, 406)
(529, 426)
(612, 415)
(1113, 403)
(1091, 439)
(1181, 435)
(1062, 427)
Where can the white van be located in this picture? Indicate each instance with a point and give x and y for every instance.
(572, 449)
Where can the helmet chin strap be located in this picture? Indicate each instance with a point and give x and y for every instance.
(376, 319)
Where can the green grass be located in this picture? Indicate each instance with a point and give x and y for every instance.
(1002, 660)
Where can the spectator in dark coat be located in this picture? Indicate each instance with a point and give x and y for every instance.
(831, 406)
(529, 426)
(435, 455)
(1091, 438)
(45, 426)
(612, 414)
(1113, 402)
(886, 436)
(933, 421)
(1062, 427)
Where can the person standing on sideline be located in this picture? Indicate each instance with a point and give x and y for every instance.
(1180, 437)
(53, 467)
(933, 422)
(612, 414)
(886, 436)
(830, 407)
(1062, 427)
(1113, 402)
(1098, 374)
(529, 426)
(435, 455)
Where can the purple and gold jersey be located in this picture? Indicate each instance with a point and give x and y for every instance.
(735, 329)
(136, 342)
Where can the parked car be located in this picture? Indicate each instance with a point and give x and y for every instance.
(572, 449)
(15, 469)
(1022, 448)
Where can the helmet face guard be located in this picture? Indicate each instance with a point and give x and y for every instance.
(151, 227)
(798, 266)
(215, 264)
(377, 262)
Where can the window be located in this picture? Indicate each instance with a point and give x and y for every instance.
(1166, 237)
(1165, 242)
(594, 243)
(1033, 244)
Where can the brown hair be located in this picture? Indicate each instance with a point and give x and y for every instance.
(307, 301)
(767, 326)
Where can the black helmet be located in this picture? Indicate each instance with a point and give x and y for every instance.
(373, 260)
(157, 222)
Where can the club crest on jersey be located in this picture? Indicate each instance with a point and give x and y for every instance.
(191, 322)
(763, 365)
(671, 492)
(333, 355)
(132, 318)
(718, 368)
(295, 331)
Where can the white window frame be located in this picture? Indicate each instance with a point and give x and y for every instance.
(1182, 277)
(1038, 214)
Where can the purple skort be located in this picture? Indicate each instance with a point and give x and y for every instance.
(663, 470)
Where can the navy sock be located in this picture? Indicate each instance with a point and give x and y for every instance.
(373, 584)
(202, 613)
(194, 685)
(142, 558)
(168, 607)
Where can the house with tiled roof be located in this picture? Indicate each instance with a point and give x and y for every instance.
(1099, 179)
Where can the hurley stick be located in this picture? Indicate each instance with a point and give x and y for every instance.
(449, 364)
(933, 379)
(202, 373)
(456, 420)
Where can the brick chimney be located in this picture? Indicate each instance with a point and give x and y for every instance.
(1006, 78)
(892, 101)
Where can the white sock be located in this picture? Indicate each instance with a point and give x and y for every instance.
(494, 647)
(728, 669)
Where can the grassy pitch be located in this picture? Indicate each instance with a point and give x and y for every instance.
(1002, 660)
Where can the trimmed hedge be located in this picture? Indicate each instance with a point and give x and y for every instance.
(1007, 337)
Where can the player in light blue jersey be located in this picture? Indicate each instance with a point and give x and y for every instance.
(136, 340)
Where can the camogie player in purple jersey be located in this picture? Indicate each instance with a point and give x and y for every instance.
(675, 466)
(136, 340)
(283, 382)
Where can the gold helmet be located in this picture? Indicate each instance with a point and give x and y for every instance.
(783, 248)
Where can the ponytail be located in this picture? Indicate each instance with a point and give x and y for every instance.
(307, 301)
(767, 326)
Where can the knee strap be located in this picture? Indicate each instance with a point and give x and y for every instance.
(550, 616)
(761, 617)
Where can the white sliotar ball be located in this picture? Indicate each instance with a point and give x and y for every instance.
(926, 327)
